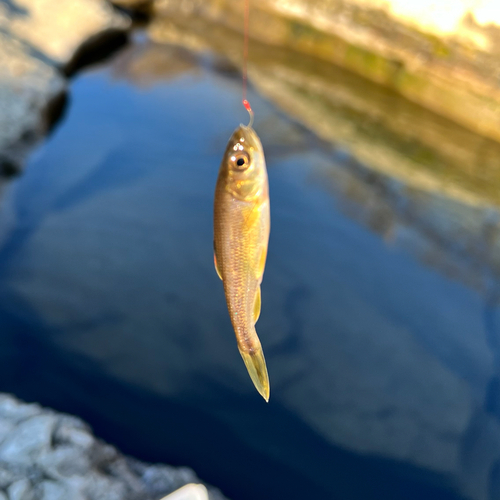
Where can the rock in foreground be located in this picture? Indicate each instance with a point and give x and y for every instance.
(46, 455)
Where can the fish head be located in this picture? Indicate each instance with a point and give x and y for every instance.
(243, 165)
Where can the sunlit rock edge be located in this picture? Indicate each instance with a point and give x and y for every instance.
(448, 65)
(53, 456)
(36, 50)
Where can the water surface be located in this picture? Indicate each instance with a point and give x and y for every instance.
(380, 300)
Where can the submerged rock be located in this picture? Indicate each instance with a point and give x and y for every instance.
(46, 455)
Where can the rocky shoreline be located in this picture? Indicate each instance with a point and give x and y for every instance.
(45, 455)
(37, 53)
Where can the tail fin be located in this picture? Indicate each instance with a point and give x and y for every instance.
(256, 366)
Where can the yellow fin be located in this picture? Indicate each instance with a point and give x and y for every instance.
(256, 366)
(216, 267)
(256, 306)
(261, 264)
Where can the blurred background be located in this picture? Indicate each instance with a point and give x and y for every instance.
(380, 120)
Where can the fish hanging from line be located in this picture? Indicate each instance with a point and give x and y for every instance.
(241, 235)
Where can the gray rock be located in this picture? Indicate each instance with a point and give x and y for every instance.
(21, 490)
(34, 47)
(50, 490)
(3, 496)
(49, 456)
(28, 86)
(6, 427)
(61, 35)
(15, 411)
(29, 440)
(158, 478)
(65, 462)
(7, 477)
(102, 488)
(72, 431)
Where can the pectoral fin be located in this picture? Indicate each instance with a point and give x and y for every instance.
(261, 264)
(256, 306)
(216, 267)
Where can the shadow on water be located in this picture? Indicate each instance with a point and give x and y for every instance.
(379, 317)
(76, 385)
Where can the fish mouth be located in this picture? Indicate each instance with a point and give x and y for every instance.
(247, 137)
(257, 369)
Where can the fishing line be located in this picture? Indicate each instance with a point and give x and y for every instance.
(245, 59)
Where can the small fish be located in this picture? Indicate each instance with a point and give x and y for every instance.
(241, 235)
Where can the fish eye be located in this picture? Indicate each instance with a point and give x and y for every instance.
(240, 160)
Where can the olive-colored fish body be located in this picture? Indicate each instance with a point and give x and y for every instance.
(241, 235)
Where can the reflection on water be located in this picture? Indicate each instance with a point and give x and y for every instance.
(380, 305)
(380, 127)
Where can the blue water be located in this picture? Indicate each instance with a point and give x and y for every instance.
(384, 366)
